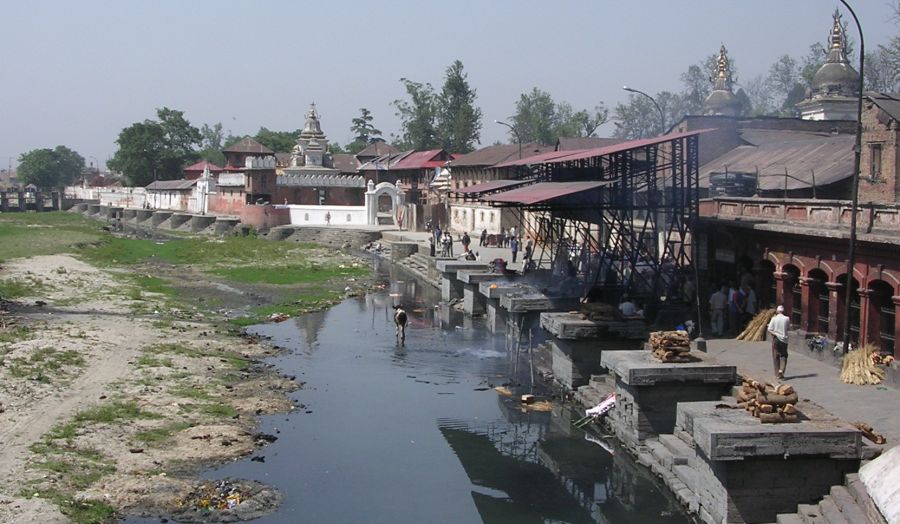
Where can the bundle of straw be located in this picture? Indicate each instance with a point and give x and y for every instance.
(756, 328)
(859, 368)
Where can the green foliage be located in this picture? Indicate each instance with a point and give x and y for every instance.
(50, 168)
(156, 149)
(80, 511)
(212, 140)
(458, 120)
(26, 287)
(312, 299)
(278, 141)
(541, 119)
(161, 434)
(364, 132)
(44, 364)
(417, 116)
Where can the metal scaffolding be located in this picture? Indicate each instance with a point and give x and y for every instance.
(629, 231)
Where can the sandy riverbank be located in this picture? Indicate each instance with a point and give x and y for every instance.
(111, 399)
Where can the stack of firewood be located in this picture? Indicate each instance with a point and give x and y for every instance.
(671, 346)
(756, 328)
(770, 404)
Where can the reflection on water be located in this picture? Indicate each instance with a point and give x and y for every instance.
(417, 434)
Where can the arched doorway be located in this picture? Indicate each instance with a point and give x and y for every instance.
(880, 326)
(793, 294)
(383, 203)
(817, 309)
(843, 293)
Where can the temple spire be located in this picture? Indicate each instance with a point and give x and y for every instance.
(722, 80)
(837, 41)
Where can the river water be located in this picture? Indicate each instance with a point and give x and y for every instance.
(415, 433)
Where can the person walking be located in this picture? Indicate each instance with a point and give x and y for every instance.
(514, 247)
(483, 238)
(438, 236)
(445, 245)
(466, 241)
(449, 243)
(504, 240)
(778, 329)
(717, 304)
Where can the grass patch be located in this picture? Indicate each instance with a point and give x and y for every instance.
(149, 361)
(286, 275)
(47, 233)
(314, 299)
(217, 409)
(15, 334)
(78, 474)
(160, 434)
(191, 392)
(120, 410)
(80, 511)
(43, 363)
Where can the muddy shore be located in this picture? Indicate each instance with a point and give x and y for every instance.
(112, 398)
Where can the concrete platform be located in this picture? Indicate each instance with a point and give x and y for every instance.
(733, 434)
(533, 301)
(640, 368)
(649, 391)
(451, 286)
(474, 303)
(573, 326)
(747, 471)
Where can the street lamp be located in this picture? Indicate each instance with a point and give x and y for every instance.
(854, 185)
(662, 118)
(515, 132)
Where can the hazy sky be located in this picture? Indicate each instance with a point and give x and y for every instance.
(77, 72)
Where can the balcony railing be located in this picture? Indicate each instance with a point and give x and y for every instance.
(871, 217)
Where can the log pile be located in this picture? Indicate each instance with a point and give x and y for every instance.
(671, 346)
(860, 368)
(869, 433)
(756, 328)
(770, 404)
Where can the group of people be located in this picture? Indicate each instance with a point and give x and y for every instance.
(731, 307)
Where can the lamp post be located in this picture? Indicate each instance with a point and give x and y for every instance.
(515, 132)
(662, 118)
(854, 185)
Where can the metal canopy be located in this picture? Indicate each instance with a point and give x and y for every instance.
(542, 192)
(489, 187)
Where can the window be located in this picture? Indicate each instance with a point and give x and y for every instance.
(875, 166)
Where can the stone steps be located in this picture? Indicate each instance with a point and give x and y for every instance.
(679, 450)
(847, 504)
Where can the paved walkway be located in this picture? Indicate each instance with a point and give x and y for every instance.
(485, 253)
(818, 382)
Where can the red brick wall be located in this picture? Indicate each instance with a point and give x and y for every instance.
(878, 128)
(265, 217)
(227, 201)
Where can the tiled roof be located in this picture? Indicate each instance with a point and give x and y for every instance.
(248, 145)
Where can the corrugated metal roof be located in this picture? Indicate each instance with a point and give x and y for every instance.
(542, 192)
(377, 149)
(491, 155)
(888, 102)
(581, 154)
(248, 145)
(199, 166)
(829, 159)
(493, 185)
(569, 143)
(421, 160)
(171, 185)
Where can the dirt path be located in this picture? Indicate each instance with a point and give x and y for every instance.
(88, 340)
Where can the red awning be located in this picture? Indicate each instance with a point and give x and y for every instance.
(542, 192)
(493, 185)
(581, 154)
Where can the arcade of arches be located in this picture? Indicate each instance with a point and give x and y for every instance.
(811, 283)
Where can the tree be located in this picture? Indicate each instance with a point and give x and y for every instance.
(156, 150)
(364, 132)
(759, 93)
(540, 119)
(50, 168)
(278, 141)
(212, 139)
(458, 120)
(417, 116)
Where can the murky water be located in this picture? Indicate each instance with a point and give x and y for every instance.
(416, 433)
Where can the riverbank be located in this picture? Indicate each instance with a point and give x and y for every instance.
(122, 374)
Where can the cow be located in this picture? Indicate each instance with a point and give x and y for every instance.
(400, 319)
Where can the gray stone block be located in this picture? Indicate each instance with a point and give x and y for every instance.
(640, 368)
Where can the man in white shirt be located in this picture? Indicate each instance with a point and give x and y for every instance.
(627, 307)
(778, 330)
(717, 304)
